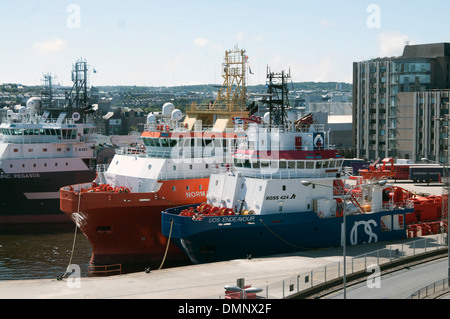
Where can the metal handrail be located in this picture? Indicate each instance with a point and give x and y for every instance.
(438, 286)
(105, 270)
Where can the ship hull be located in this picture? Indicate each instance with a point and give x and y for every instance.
(125, 228)
(33, 198)
(235, 237)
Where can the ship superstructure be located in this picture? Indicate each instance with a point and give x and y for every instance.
(43, 146)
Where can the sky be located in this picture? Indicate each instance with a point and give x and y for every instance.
(182, 42)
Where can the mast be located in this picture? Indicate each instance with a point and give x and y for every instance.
(232, 96)
(79, 97)
(277, 97)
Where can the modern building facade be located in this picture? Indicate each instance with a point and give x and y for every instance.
(389, 115)
(422, 123)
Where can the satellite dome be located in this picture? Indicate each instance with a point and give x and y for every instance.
(22, 110)
(176, 115)
(167, 109)
(151, 119)
(33, 102)
(267, 118)
(292, 116)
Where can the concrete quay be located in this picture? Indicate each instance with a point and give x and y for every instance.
(204, 281)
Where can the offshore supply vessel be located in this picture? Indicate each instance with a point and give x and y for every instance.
(283, 194)
(43, 146)
(120, 212)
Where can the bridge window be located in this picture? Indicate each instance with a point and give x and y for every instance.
(164, 142)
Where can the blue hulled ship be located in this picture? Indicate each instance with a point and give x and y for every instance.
(283, 194)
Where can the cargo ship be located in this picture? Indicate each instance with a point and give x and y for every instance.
(283, 194)
(120, 212)
(43, 146)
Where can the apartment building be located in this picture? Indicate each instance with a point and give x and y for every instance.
(388, 112)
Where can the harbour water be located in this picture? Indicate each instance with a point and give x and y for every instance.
(41, 251)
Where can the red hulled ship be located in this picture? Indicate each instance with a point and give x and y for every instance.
(120, 212)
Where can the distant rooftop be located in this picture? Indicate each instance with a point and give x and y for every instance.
(432, 50)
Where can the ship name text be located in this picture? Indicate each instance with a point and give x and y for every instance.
(232, 219)
(195, 194)
(19, 176)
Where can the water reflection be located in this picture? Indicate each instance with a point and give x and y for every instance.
(41, 251)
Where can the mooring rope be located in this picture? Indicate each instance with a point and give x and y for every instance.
(282, 239)
(167, 247)
(74, 240)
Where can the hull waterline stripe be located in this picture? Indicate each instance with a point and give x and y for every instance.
(46, 195)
